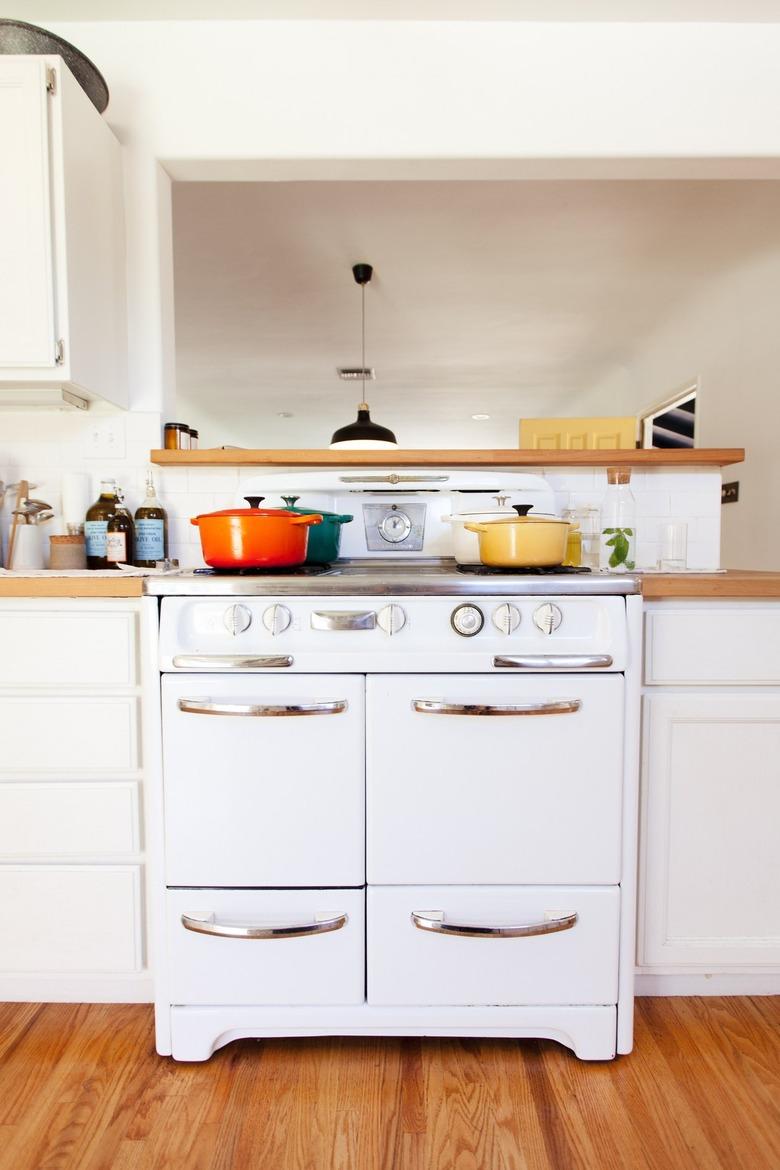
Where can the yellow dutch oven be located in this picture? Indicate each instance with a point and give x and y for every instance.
(522, 541)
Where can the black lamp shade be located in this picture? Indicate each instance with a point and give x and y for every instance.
(364, 430)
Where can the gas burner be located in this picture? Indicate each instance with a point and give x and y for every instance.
(291, 571)
(533, 570)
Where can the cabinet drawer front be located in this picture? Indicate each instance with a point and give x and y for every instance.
(52, 733)
(524, 798)
(713, 643)
(70, 648)
(71, 918)
(409, 965)
(68, 820)
(323, 964)
(264, 796)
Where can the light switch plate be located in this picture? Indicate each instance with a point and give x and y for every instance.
(105, 439)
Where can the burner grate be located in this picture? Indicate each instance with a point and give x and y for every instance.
(291, 571)
(532, 570)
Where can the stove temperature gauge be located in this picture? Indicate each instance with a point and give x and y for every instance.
(467, 620)
(506, 618)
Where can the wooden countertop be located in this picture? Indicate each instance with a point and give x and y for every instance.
(733, 583)
(88, 585)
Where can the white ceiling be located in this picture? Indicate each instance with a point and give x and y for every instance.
(40, 11)
(505, 298)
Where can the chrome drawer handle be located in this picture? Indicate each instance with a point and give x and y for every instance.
(554, 661)
(434, 920)
(340, 619)
(549, 707)
(205, 707)
(239, 661)
(206, 924)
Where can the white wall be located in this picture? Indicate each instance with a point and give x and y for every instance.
(728, 336)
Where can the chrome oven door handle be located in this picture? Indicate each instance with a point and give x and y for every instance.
(544, 707)
(206, 707)
(342, 619)
(206, 923)
(554, 661)
(235, 661)
(434, 920)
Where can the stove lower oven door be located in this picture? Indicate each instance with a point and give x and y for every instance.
(487, 780)
(263, 780)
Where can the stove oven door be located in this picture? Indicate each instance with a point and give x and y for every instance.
(492, 780)
(263, 780)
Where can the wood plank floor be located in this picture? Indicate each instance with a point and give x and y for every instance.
(81, 1087)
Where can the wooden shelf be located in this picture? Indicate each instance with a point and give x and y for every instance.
(244, 457)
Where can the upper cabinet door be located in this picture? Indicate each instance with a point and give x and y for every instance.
(27, 323)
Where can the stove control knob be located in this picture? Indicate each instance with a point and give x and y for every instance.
(237, 618)
(276, 619)
(391, 619)
(547, 617)
(506, 618)
(467, 620)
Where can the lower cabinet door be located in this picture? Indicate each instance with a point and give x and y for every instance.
(266, 946)
(492, 945)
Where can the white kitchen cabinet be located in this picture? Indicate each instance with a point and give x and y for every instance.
(62, 295)
(709, 882)
(72, 857)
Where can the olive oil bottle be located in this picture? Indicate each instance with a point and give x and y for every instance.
(96, 524)
(120, 542)
(151, 529)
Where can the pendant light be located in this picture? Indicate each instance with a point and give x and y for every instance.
(363, 434)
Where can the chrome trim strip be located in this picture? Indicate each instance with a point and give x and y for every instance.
(237, 661)
(434, 920)
(204, 707)
(207, 924)
(554, 661)
(545, 707)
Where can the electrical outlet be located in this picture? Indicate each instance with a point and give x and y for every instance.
(105, 439)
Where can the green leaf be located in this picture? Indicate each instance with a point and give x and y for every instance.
(629, 531)
(630, 565)
(612, 541)
(608, 531)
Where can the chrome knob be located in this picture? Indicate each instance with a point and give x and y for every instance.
(506, 618)
(391, 619)
(276, 619)
(467, 620)
(237, 618)
(547, 617)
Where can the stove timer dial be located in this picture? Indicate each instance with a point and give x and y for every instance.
(547, 617)
(467, 620)
(276, 619)
(237, 618)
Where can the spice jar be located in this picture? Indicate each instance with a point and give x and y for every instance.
(176, 436)
(194, 439)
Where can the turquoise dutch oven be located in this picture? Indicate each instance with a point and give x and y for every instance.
(325, 538)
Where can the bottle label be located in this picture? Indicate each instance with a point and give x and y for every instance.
(149, 540)
(95, 537)
(116, 547)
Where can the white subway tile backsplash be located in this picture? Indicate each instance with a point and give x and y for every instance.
(208, 479)
(652, 503)
(705, 504)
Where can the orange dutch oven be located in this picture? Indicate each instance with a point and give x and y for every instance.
(254, 537)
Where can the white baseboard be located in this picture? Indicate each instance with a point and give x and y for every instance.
(77, 988)
(764, 983)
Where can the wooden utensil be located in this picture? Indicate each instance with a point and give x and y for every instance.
(22, 493)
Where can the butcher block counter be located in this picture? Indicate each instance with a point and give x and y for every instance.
(82, 583)
(734, 583)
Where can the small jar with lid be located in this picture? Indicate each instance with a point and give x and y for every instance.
(194, 439)
(176, 437)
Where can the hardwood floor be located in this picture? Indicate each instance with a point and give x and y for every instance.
(81, 1087)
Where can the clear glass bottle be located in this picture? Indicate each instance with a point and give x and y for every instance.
(617, 543)
(151, 529)
(96, 524)
(573, 540)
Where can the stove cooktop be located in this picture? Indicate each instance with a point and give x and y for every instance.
(532, 570)
(380, 577)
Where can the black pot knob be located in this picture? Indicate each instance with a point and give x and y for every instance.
(522, 509)
(254, 501)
